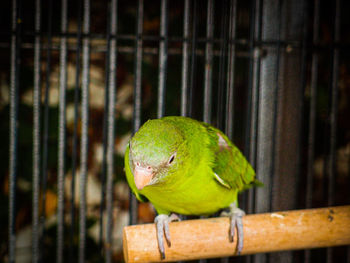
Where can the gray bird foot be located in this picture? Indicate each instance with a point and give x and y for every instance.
(162, 224)
(236, 215)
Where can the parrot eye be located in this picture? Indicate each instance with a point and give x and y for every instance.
(171, 159)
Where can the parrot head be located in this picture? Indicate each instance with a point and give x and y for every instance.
(155, 152)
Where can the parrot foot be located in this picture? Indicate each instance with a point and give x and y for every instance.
(236, 215)
(162, 225)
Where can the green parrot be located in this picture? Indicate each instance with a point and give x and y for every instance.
(183, 166)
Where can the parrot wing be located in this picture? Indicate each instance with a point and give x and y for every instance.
(130, 177)
(231, 169)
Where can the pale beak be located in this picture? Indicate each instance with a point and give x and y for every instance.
(142, 176)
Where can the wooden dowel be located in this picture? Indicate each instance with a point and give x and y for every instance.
(208, 238)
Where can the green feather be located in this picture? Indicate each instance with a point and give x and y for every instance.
(205, 176)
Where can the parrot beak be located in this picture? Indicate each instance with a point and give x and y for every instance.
(142, 176)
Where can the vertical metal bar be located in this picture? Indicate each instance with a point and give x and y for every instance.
(137, 94)
(185, 57)
(304, 19)
(105, 124)
(138, 67)
(13, 147)
(111, 128)
(333, 117)
(275, 135)
(163, 57)
(75, 133)
(266, 104)
(84, 130)
(193, 57)
(267, 90)
(207, 107)
(36, 134)
(254, 80)
(303, 83)
(312, 112)
(252, 98)
(222, 65)
(253, 94)
(229, 129)
(334, 106)
(45, 154)
(62, 133)
(312, 117)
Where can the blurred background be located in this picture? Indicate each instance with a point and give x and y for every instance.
(79, 77)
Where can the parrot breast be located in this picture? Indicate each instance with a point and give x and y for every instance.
(196, 192)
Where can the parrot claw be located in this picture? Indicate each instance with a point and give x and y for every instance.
(236, 215)
(162, 225)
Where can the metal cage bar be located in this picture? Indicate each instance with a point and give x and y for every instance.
(84, 144)
(207, 108)
(163, 57)
(112, 70)
(222, 65)
(193, 66)
(230, 79)
(105, 128)
(126, 49)
(62, 134)
(185, 58)
(271, 53)
(75, 132)
(333, 118)
(46, 125)
(312, 112)
(137, 94)
(13, 149)
(253, 94)
(312, 116)
(36, 135)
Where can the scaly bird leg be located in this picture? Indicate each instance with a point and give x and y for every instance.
(236, 215)
(162, 224)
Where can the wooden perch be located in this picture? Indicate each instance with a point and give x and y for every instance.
(208, 238)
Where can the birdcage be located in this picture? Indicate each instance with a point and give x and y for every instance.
(78, 78)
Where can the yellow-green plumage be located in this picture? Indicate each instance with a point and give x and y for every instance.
(205, 176)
